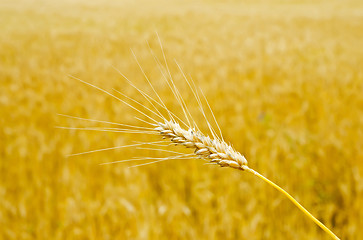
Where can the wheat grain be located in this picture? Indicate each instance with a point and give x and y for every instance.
(215, 150)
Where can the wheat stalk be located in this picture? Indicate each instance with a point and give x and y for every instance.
(213, 149)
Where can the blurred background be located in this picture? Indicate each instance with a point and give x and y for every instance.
(285, 81)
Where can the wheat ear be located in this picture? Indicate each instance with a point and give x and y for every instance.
(215, 149)
(219, 152)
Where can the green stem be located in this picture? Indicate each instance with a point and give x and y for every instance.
(321, 225)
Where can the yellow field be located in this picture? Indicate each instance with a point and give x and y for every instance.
(285, 80)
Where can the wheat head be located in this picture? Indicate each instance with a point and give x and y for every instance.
(215, 150)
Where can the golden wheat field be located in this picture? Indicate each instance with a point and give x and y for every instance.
(285, 82)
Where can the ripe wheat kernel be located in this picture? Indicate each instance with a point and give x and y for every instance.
(215, 150)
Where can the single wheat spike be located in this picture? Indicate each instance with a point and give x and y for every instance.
(214, 149)
(221, 153)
